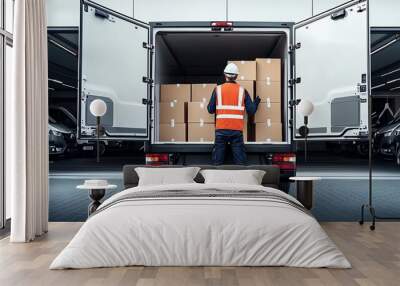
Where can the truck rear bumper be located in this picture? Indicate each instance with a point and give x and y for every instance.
(207, 148)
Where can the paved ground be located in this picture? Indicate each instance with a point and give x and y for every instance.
(338, 197)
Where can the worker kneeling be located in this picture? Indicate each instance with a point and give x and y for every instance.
(229, 102)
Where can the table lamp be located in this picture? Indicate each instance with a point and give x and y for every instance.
(98, 108)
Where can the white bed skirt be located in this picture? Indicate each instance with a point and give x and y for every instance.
(201, 232)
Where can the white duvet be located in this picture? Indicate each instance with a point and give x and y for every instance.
(200, 231)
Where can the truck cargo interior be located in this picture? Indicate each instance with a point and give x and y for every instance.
(200, 57)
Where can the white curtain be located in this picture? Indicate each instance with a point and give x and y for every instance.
(26, 124)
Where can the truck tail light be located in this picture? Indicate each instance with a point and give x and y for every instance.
(219, 25)
(157, 159)
(285, 161)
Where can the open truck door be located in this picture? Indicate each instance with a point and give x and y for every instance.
(114, 66)
(331, 70)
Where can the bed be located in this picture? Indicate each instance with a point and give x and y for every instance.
(197, 224)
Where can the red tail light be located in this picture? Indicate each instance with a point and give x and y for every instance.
(219, 25)
(286, 161)
(222, 24)
(157, 159)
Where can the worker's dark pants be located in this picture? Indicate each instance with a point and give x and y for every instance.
(235, 139)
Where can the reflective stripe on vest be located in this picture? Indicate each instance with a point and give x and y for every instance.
(233, 116)
(230, 106)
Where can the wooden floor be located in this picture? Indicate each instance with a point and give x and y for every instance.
(375, 257)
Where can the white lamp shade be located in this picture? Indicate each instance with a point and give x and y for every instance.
(98, 107)
(306, 107)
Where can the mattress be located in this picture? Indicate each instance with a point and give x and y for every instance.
(201, 225)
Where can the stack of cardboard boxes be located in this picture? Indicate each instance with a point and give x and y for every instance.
(173, 106)
(183, 113)
(201, 124)
(183, 107)
(266, 74)
(268, 119)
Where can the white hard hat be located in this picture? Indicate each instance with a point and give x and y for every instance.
(231, 69)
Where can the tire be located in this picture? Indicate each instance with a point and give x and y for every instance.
(362, 149)
(398, 156)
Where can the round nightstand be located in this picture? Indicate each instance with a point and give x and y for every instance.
(97, 190)
(304, 190)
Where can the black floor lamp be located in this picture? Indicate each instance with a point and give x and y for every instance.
(98, 108)
(369, 206)
(306, 107)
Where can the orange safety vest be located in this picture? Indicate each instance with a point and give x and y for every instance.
(230, 107)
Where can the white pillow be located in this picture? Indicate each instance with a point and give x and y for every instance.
(248, 177)
(166, 176)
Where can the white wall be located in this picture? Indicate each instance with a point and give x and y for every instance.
(385, 13)
(66, 12)
(179, 10)
(122, 6)
(323, 5)
(269, 10)
(62, 12)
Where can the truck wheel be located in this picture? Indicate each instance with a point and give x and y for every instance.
(362, 149)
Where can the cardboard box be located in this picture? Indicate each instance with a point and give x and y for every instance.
(247, 70)
(175, 92)
(268, 112)
(172, 133)
(268, 69)
(269, 91)
(202, 92)
(268, 132)
(247, 85)
(197, 112)
(198, 132)
(172, 113)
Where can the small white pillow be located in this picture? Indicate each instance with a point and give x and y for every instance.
(166, 176)
(247, 177)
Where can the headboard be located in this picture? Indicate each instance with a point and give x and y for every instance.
(270, 179)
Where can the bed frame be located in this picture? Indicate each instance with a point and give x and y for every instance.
(270, 179)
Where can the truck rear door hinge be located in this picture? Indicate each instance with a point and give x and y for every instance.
(146, 101)
(294, 102)
(147, 80)
(101, 14)
(362, 7)
(148, 46)
(339, 14)
(294, 47)
(294, 81)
